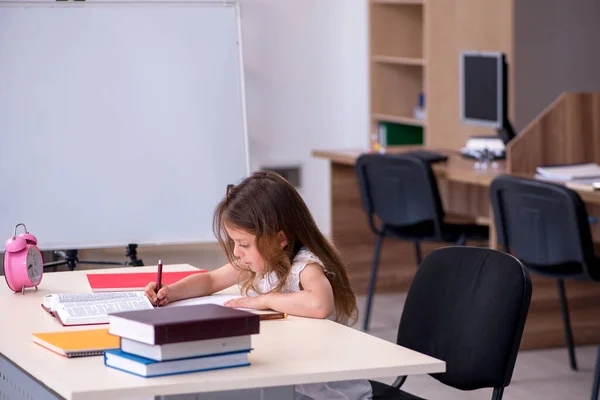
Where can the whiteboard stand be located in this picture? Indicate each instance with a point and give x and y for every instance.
(70, 259)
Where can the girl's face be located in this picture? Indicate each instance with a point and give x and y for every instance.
(245, 249)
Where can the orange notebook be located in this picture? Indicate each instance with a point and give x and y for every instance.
(119, 282)
(78, 343)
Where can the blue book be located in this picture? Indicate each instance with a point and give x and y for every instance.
(147, 368)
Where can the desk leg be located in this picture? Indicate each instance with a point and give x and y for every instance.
(16, 384)
(271, 393)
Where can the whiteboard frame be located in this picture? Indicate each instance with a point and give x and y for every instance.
(99, 3)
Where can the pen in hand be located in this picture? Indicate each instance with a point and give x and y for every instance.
(158, 282)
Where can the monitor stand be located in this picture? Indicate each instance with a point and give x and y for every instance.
(506, 132)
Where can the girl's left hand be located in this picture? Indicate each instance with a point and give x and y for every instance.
(257, 302)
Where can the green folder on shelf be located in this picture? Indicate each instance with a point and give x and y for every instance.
(392, 133)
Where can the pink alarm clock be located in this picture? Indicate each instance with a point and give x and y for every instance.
(23, 263)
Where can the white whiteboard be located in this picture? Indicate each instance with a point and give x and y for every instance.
(119, 123)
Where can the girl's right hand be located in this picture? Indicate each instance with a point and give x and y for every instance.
(161, 298)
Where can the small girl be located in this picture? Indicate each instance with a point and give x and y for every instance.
(280, 260)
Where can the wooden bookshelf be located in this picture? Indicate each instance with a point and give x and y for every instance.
(399, 120)
(397, 61)
(398, 1)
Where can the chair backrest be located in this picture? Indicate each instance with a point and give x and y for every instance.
(467, 306)
(541, 223)
(399, 189)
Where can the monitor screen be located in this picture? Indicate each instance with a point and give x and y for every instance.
(482, 89)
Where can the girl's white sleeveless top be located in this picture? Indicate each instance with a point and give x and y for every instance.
(344, 390)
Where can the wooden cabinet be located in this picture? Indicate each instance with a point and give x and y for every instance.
(397, 61)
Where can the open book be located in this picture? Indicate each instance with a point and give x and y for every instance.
(93, 308)
(220, 299)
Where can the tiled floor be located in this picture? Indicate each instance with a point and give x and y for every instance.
(539, 374)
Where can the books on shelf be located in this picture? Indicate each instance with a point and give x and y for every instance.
(93, 308)
(570, 172)
(131, 281)
(183, 324)
(150, 368)
(196, 348)
(80, 343)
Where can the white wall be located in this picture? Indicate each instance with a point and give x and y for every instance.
(557, 49)
(306, 86)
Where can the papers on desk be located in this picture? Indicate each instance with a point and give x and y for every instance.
(584, 177)
(221, 298)
(217, 298)
(587, 185)
(570, 172)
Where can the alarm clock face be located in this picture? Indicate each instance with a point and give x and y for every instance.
(35, 265)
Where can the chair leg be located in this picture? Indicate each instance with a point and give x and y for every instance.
(462, 240)
(596, 385)
(399, 381)
(418, 252)
(564, 308)
(498, 393)
(372, 282)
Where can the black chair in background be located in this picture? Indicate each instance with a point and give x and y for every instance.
(466, 306)
(402, 192)
(546, 226)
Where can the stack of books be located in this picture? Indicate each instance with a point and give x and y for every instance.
(166, 341)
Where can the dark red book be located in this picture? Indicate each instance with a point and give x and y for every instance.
(183, 324)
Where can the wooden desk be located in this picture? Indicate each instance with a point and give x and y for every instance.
(285, 353)
(465, 192)
(456, 169)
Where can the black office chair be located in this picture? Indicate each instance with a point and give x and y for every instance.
(402, 192)
(546, 226)
(466, 306)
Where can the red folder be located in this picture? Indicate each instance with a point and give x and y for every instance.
(110, 282)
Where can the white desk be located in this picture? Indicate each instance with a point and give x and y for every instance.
(286, 352)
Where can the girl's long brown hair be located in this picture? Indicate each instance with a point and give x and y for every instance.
(265, 204)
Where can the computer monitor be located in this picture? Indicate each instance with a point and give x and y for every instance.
(484, 91)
